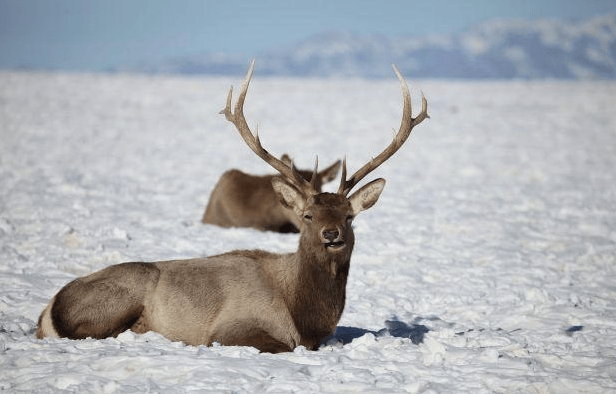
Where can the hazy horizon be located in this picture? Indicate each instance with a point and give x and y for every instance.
(96, 36)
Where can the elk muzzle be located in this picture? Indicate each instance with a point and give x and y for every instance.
(332, 239)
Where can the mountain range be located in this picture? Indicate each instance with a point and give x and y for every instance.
(494, 49)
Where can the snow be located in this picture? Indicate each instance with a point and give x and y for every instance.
(488, 264)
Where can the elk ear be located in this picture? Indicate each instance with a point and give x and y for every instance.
(289, 196)
(330, 172)
(367, 196)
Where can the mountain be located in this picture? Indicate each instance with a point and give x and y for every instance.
(497, 48)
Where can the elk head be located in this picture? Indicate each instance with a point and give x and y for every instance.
(333, 212)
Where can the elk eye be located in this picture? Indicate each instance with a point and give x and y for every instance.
(308, 217)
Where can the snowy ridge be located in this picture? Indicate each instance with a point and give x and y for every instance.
(487, 266)
(498, 48)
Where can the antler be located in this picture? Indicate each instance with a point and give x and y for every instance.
(408, 122)
(252, 140)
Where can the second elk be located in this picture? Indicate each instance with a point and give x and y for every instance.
(245, 200)
(273, 302)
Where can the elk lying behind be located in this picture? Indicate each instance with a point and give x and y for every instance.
(274, 302)
(245, 200)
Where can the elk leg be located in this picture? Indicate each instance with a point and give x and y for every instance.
(247, 333)
(272, 330)
(253, 332)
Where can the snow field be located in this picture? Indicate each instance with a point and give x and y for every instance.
(488, 264)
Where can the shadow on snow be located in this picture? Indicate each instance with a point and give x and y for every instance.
(396, 328)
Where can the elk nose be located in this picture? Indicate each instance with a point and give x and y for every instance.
(330, 234)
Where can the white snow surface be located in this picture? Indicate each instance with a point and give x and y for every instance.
(487, 266)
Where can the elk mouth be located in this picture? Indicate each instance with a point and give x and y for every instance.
(334, 246)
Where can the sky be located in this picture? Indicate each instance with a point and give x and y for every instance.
(100, 35)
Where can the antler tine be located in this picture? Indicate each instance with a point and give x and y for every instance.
(406, 126)
(252, 140)
(313, 179)
(343, 181)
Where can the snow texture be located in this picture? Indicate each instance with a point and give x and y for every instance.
(487, 266)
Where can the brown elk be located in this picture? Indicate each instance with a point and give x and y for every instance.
(245, 200)
(273, 302)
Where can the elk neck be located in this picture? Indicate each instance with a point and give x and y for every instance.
(317, 300)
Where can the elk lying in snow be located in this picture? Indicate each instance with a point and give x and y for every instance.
(273, 302)
(244, 200)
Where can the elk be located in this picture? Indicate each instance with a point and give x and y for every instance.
(273, 302)
(245, 200)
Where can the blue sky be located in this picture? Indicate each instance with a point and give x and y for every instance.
(98, 35)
